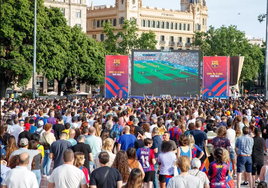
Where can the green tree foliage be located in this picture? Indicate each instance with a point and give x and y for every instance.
(126, 39)
(16, 40)
(229, 41)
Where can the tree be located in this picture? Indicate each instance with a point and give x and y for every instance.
(229, 41)
(16, 40)
(127, 38)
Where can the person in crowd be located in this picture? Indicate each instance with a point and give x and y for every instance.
(220, 140)
(36, 138)
(133, 162)
(134, 128)
(121, 164)
(91, 120)
(85, 149)
(11, 146)
(257, 155)
(58, 128)
(67, 175)
(184, 180)
(24, 149)
(175, 132)
(26, 133)
(95, 144)
(97, 126)
(184, 148)
(105, 176)
(226, 159)
(139, 143)
(108, 147)
(195, 171)
(135, 179)
(195, 149)
(166, 138)
(57, 149)
(4, 134)
(244, 148)
(33, 128)
(146, 128)
(166, 159)
(67, 127)
(157, 142)
(47, 139)
(231, 137)
(37, 161)
(218, 170)
(51, 119)
(262, 184)
(71, 137)
(79, 160)
(126, 140)
(21, 176)
(146, 157)
(40, 130)
(161, 127)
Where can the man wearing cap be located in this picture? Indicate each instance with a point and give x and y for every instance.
(40, 129)
(196, 164)
(23, 149)
(26, 133)
(21, 176)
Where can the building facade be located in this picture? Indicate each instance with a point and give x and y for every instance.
(174, 29)
(75, 11)
(256, 41)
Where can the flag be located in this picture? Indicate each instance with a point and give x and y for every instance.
(204, 167)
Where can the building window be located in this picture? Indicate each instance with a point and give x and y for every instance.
(204, 21)
(198, 9)
(61, 0)
(157, 24)
(121, 20)
(162, 48)
(162, 38)
(184, 27)
(122, 1)
(153, 24)
(179, 39)
(148, 23)
(171, 25)
(39, 82)
(176, 26)
(188, 27)
(102, 37)
(180, 26)
(171, 48)
(143, 23)
(163, 25)
(98, 23)
(78, 25)
(78, 13)
(114, 22)
(102, 23)
(94, 36)
(50, 85)
(133, 1)
(94, 23)
(188, 40)
(167, 25)
(171, 39)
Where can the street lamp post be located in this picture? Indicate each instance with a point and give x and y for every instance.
(266, 56)
(34, 52)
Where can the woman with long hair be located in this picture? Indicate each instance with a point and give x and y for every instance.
(79, 159)
(37, 160)
(14, 161)
(107, 146)
(146, 128)
(252, 126)
(220, 140)
(133, 161)
(237, 129)
(184, 148)
(121, 164)
(218, 170)
(226, 158)
(47, 139)
(11, 146)
(135, 179)
(4, 134)
(96, 125)
(245, 121)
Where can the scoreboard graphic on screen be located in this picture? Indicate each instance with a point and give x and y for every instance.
(165, 73)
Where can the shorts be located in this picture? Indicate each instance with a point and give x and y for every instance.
(256, 167)
(232, 153)
(149, 176)
(242, 162)
(164, 178)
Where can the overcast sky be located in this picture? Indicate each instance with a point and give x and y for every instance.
(221, 12)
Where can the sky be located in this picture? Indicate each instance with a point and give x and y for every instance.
(220, 12)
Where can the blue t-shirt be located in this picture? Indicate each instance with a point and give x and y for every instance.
(33, 128)
(157, 142)
(199, 137)
(72, 141)
(126, 141)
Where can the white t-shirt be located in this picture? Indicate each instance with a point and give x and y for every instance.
(20, 177)
(90, 122)
(15, 130)
(152, 127)
(66, 176)
(231, 137)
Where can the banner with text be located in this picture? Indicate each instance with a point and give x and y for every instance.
(216, 74)
(116, 76)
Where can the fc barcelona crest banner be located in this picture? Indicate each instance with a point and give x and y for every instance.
(216, 74)
(116, 76)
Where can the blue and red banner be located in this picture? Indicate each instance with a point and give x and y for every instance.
(116, 76)
(216, 74)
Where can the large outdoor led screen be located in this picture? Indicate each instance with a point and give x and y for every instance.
(175, 73)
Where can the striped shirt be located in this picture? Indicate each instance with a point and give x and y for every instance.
(146, 156)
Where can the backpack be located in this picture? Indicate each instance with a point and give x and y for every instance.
(115, 133)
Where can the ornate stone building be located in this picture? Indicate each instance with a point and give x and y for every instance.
(174, 29)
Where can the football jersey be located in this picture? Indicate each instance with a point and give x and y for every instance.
(145, 156)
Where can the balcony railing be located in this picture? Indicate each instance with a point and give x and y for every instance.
(188, 44)
(171, 43)
(162, 42)
(179, 44)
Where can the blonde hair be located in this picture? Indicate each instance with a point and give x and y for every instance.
(78, 157)
(226, 156)
(192, 141)
(107, 143)
(184, 163)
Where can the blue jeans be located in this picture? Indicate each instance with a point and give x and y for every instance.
(156, 165)
(242, 162)
(46, 163)
(38, 175)
(91, 165)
